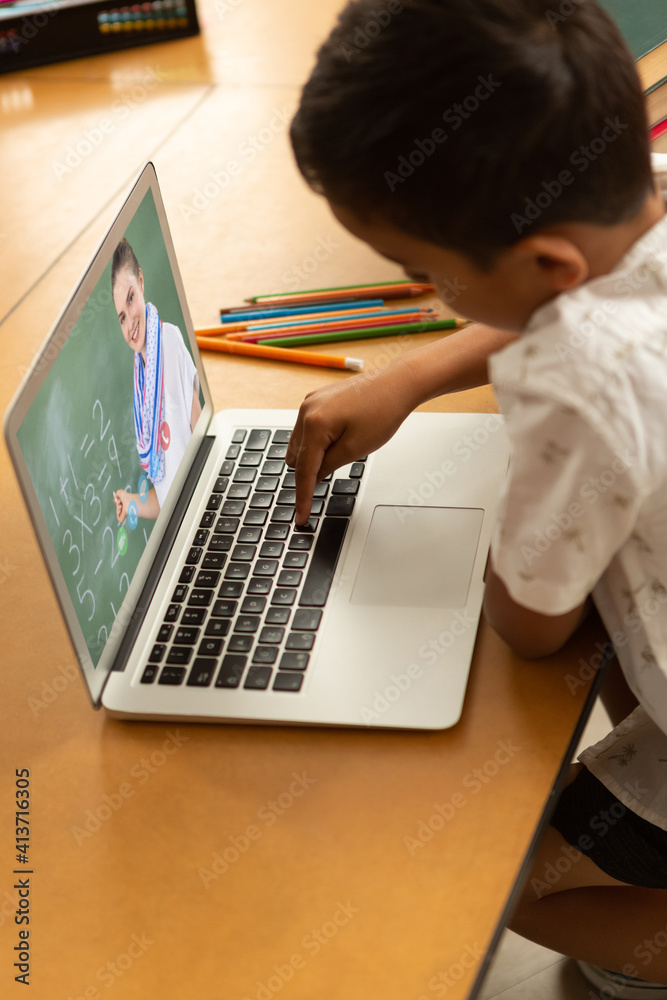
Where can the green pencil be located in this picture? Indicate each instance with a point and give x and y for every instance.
(364, 333)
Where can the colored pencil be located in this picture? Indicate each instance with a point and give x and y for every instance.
(273, 333)
(278, 354)
(389, 289)
(658, 129)
(312, 319)
(235, 313)
(365, 334)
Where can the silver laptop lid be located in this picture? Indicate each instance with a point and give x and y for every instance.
(86, 409)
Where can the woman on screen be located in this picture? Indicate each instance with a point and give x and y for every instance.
(166, 388)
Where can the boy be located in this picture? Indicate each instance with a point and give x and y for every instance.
(498, 148)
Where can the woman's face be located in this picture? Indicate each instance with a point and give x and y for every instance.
(128, 298)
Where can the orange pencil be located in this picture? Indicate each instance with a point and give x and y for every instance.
(279, 353)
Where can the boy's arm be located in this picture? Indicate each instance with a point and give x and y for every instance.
(529, 634)
(340, 423)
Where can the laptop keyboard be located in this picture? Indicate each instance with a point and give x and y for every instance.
(249, 601)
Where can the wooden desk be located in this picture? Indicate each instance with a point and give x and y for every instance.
(234, 862)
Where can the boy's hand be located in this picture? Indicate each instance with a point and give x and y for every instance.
(340, 423)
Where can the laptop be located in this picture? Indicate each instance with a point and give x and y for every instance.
(168, 530)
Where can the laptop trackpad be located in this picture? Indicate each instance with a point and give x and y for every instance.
(418, 557)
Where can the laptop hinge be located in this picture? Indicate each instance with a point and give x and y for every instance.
(155, 572)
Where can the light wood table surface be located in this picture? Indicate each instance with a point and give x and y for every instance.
(328, 891)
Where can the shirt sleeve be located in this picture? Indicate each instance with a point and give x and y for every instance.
(569, 504)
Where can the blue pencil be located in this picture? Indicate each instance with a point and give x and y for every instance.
(243, 313)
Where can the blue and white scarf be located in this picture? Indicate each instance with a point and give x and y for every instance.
(149, 398)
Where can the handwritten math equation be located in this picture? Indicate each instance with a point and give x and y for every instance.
(89, 542)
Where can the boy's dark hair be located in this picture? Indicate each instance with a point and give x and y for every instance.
(471, 123)
(123, 256)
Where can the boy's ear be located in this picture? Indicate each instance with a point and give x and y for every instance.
(141, 280)
(553, 260)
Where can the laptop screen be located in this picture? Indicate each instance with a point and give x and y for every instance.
(105, 437)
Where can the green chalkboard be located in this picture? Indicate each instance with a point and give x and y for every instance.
(78, 441)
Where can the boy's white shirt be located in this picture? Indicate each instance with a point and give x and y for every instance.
(584, 395)
(180, 378)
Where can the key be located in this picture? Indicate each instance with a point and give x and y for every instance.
(149, 674)
(307, 619)
(278, 616)
(265, 654)
(237, 571)
(231, 671)
(301, 542)
(210, 647)
(249, 536)
(252, 605)
(186, 635)
(267, 484)
(294, 661)
(258, 678)
(227, 524)
(213, 560)
(172, 675)
(282, 514)
(295, 560)
(300, 640)
(271, 634)
(257, 440)
(323, 562)
(287, 681)
(218, 627)
(193, 616)
(224, 609)
(240, 643)
(245, 475)
(277, 532)
(283, 596)
(239, 491)
(339, 506)
(202, 672)
(246, 623)
(347, 487)
(200, 598)
(271, 550)
(232, 508)
(179, 655)
(223, 542)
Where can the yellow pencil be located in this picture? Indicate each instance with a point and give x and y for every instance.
(279, 353)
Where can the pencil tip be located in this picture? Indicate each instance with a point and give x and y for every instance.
(354, 364)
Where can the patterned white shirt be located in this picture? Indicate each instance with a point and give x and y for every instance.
(584, 395)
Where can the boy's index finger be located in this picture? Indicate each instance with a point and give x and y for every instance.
(306, 468)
